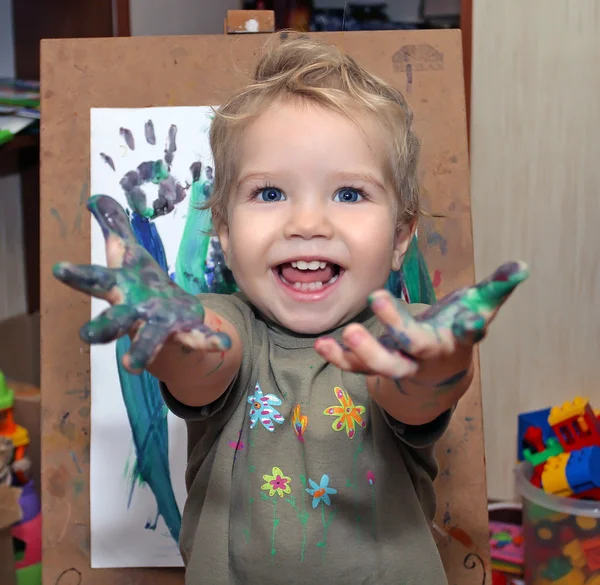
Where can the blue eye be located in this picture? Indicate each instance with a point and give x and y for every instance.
(348, 195)
(270, 195)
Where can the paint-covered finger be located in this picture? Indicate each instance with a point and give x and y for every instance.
(91, 279)
(404, 333)
(377, 359)
(479, 305)
(489, 294)
(111, 217)
(145, 346)
(111, 324)
(339, 355)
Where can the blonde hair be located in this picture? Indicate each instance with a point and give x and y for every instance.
(306, 69)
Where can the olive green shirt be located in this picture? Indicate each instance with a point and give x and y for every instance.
(296, 476)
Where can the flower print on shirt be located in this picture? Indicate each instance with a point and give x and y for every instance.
(262, 409)
(348, 414)
(277, 483)
(320, 491)
(299, 422)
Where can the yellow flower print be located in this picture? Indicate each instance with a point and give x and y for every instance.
(348, 414)
(277, 483)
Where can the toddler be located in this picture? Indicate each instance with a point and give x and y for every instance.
(313, 399)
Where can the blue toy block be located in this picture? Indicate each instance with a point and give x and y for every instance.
(535, 418)
(583, 469)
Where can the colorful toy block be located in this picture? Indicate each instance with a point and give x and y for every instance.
(583, 469)
(8, 428)
(569, 474)
(574, 552)
(591, 550)
(559, 571)
(553, 448)
(575, 424)
(554, 476)
(535, 418)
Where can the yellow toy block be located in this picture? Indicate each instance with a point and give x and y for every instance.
(569, 409)
(575, 554)
(554, 476)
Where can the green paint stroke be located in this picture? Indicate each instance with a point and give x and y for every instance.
(190, 265)
(302, 515)
(273, 500)
(322, 544)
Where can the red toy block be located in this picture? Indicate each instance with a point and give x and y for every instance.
(593, 494)
(536, 476)
(591, 550)
(534, 437)
(567, 534)
(575, 424)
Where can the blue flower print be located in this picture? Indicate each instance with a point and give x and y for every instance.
(262, 409)
(320, 492)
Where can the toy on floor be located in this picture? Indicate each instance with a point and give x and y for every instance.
(27, 538)
(14, 470)
(562, 444)
(16, 433)
(562, 537)
(506, 547)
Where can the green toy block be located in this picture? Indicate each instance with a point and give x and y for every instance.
(553, 448)
(557, 568)
(7, 396)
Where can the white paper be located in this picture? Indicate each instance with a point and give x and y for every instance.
(119, 537)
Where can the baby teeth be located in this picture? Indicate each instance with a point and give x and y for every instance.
(306, 286)
(313, 265)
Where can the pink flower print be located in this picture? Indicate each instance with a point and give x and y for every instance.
(371, 477)
(277, 483)
(262, 409)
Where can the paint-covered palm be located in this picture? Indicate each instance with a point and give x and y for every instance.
(465, 313)
(141, 294)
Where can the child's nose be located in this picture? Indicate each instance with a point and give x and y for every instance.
(309, 221)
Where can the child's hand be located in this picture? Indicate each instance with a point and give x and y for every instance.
(430, 355)
(143, 296)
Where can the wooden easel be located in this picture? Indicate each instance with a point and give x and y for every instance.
(425, 65)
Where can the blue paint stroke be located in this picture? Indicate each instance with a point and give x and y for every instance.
(436, 239)
(146, 409)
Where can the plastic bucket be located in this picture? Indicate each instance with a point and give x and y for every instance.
(561, 536)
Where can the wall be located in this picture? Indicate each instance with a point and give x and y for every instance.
(179, 17)
(535, 152)
(12, 277)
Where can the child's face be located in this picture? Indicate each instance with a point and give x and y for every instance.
(311, 223)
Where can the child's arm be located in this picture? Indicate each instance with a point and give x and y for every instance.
(423, 365)
(193, 350)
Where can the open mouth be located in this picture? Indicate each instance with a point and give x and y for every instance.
(310, 276)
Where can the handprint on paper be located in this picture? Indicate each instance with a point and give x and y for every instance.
(158, 172)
